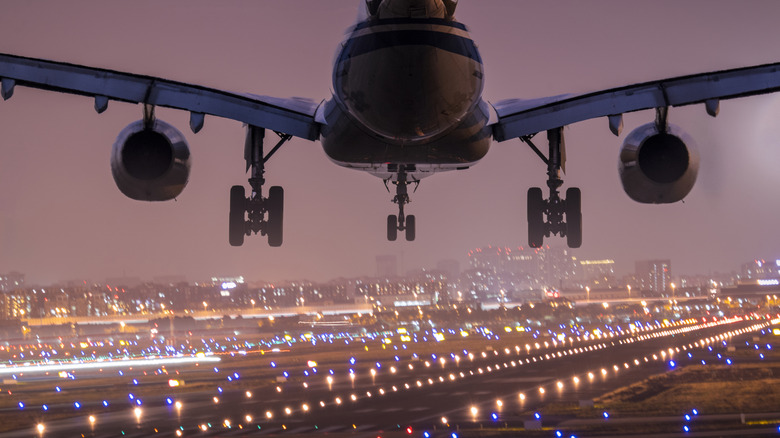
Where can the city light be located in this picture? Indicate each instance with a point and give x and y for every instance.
(293, 403)
(123, 363)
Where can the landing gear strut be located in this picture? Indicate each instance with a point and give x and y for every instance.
(257, 214)
(401, 222)
(554, 207)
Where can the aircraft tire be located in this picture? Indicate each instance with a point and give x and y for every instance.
(535, 217)
(392, 227)
(274, 224)
(410, 228)
(573, 217)
(236, 224)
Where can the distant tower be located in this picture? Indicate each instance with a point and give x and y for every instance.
(654, 275)
(386, 266)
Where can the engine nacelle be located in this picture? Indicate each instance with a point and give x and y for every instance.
(658, 167)
(150, 164)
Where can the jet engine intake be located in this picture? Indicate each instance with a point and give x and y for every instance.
(150, 163)
(658, 167)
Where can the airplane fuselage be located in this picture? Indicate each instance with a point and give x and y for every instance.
(407, 91)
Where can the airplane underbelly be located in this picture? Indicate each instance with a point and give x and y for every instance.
(349, 145)
(408, 81)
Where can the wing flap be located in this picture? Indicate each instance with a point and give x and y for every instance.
(517, 118)
(291, 116)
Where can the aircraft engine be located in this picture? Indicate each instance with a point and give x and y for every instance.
(150, 163)
(658, 167)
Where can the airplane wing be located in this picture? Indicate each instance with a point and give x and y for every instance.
(518, 118)
(293, 116)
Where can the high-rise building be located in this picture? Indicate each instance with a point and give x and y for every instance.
(504, 259)
(597, 273)
(654, 275)
(760, 270)
(559, 267)
(516, 273)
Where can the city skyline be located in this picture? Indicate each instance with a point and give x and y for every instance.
(388, 266)
(61, 215)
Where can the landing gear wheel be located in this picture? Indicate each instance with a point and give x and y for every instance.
(535, 217)
(410, 228)
(392, 227)
(275, 207)
(573, 217)
(236, 225)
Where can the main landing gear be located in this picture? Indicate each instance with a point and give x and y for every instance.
(257, 214)
(554, 207)
(401, 222)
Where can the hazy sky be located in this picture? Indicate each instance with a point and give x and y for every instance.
(62, 217)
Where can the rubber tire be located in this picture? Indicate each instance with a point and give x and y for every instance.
(410, 228)
(392, 227)
(573, 217)
(236, 223)
(535, 204)
(274, 224)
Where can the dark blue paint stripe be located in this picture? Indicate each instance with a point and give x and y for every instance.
(435, 21)
(382, 40)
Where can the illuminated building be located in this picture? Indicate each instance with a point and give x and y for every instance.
(506, 274)
(654, 275)
(760, 269)
(597, 273)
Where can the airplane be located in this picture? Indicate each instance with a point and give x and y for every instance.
(407, 103)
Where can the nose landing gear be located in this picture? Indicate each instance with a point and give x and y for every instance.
(400, 222)
(554, 207)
